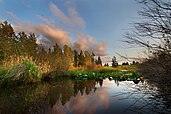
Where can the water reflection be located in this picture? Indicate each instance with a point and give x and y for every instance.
(81, 97)
(88, 104)
(42, 98)
(164, 88)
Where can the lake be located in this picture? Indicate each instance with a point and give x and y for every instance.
(66, 96)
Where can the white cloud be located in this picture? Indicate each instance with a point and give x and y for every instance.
(73, 19)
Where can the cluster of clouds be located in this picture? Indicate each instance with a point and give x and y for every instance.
(52, 33)
(84, 104)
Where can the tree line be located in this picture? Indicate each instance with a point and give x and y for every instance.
(14, 47)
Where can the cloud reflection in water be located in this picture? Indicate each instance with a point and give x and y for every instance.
(84, 104)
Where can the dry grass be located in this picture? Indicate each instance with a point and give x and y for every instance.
(123, 67)
(98, 67)
(44, 67)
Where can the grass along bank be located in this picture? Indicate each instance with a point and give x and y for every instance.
(19, 74)
(27, 72)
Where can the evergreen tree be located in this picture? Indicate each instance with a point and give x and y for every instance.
(68, 57)
(88, 59)
(107, 64)
(133, 62)
(81, 59)
(57, 50)
(41, 54)
(6, 30)
(56, 61)
(27, 44)
(114, 62)
(99, 61)
(32, 45)
(16, 45)
(7, 40)
(76, 59)
(92, 58)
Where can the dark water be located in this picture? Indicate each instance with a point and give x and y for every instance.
(83, 97)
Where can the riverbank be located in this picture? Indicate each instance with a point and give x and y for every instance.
(28, 73)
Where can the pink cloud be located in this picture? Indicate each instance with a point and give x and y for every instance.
(45, 20)
(84, 104)
(80, 104)
(106, 59)
(1, 21)
(89, 43)
(57, 12)
(58, 108)
(11, 14)
(52, 34)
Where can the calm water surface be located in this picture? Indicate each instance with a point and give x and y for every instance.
(83, 97)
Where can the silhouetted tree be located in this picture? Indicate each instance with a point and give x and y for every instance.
(114, 62)
(153, 32)
(133, 62)
(107, 64)
(125, 63)
(92, 58)
(99, 61)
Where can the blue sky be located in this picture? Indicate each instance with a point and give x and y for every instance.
(94, 25)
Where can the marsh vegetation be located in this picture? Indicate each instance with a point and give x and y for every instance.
(39, 78)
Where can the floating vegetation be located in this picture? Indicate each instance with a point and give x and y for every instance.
(104, 73)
